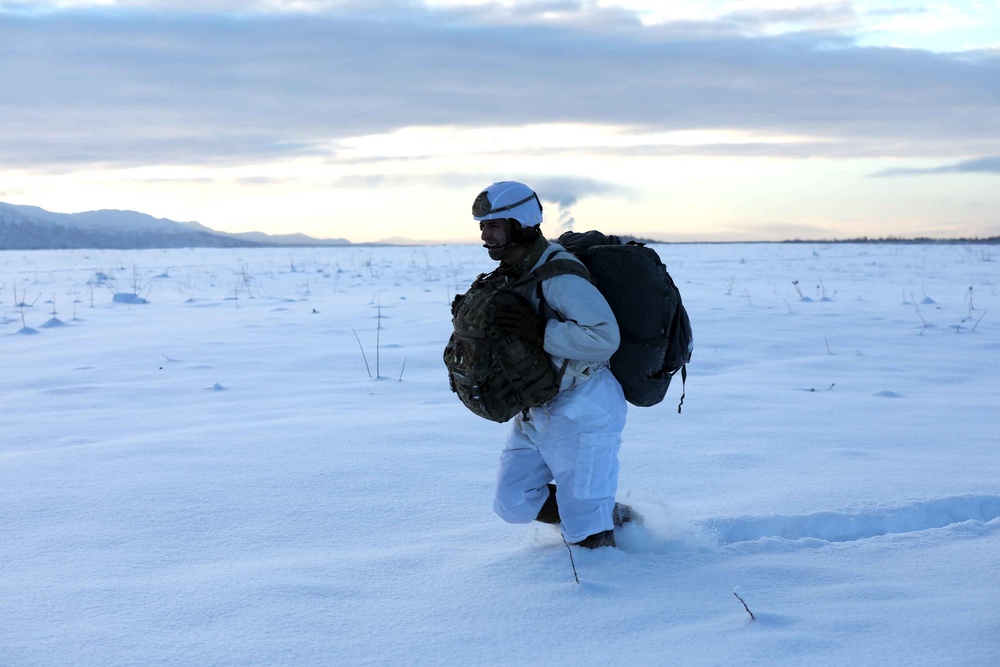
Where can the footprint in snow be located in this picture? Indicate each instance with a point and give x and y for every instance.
(837, 526)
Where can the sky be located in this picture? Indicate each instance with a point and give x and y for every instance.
(376, 120)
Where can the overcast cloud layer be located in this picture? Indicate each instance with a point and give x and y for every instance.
(147, 86)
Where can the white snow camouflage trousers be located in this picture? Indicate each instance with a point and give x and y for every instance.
(572, 440)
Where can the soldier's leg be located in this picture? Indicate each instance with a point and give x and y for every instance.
(522, 479)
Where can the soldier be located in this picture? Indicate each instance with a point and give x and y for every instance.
(560, 462)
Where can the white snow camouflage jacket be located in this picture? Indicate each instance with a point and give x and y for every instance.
(585, 333)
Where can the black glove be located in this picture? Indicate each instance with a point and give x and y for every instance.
(522, 321)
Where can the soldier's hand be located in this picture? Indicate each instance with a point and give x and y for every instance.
(522, 321)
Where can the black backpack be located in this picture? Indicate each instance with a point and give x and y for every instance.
(656, 338)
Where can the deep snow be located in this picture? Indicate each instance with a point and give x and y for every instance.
(212, 477)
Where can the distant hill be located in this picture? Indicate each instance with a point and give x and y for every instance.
(33, 228)
(287, 239)
(919, 240)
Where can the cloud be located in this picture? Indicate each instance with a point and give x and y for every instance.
(775, 230)
(562, 192)
(192, 181)
(831, 18)
(566, 192)
(117, 87)
(260, 180)
(985, 165)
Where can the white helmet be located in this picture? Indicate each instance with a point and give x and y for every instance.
(508, 199)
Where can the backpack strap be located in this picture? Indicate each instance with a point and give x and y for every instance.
(684, 381)
(551, 268)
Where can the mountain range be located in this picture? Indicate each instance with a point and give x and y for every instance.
(33, 228)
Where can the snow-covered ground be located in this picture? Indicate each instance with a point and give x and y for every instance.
(214, 477)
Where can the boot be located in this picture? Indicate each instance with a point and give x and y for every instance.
(550, 510)
(622, 514)
(549, 513)
(603, 539)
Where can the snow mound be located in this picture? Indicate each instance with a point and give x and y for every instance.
(124, 297)
(886, 393)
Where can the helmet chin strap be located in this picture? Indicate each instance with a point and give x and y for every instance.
(517, 235)
(510, 239)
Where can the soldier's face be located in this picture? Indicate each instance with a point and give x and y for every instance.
(495, 235)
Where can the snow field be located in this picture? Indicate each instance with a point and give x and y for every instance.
(213, 477)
